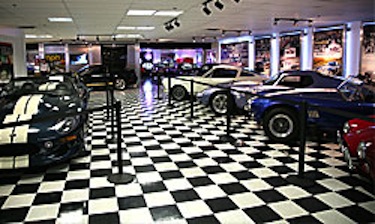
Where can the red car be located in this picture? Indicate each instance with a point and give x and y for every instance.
(357, 142)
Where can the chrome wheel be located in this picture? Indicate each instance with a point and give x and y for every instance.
(120, 84)
(219, 103)
(281, 126)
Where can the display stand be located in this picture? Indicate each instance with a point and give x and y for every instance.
(169, 92)
(120, 177)
(300, 179)
(158, 87)
(191, 99)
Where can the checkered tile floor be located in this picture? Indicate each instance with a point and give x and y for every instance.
(185, 174)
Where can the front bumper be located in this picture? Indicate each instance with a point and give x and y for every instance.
(352, 162)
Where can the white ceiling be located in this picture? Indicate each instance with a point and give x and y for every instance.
(101, 17)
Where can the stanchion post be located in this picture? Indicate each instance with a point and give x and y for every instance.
(229, 106)
(112, 105)
(107, 94)
(302, 139)
(119, 137)
(191, 99)
(158, 80)
(120, 177)
(300, 178)
(169, 91)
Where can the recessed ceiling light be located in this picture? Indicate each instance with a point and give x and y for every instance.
(145, 28)
(133, 12)
(60, 19)
(33, 36)
(136, 35)
(126, 27)
(168, 13)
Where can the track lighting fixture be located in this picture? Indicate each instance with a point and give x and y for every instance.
(97, 38)
(219, 5)
(236, 1)
(77, 38)
(223, 33)
(294, 20)
(206, 10)
(194, 40)
(170, 25)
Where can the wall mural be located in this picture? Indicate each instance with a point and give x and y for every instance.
(263, 56)
(328, 52)
(235, 54)
(368, 52)
(6, 62)
(290, 52)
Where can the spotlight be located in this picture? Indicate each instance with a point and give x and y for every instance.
(77, 38)
(250, 32)
(97, 38)
(223, 33)
(203, 39)
(194, 40)
(169, 26)
(219, 5)
(295, 23)
(114, 37)
(176, 23)
(275, 22)
(206, 10)
(310, 23)
(239, 33)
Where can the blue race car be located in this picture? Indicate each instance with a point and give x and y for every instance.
(216, 97)
(278, 111)
(44, 142)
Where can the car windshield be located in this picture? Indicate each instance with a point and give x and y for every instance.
(26, 86)
(352, 91)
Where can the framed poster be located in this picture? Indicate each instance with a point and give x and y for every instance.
(263, 56)
(6, 62)
(328, 52)
(235, 54)
(368, 52)
(290, 52)
(56, 62)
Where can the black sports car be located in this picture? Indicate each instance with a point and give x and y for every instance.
(45, 142)
(96, 76)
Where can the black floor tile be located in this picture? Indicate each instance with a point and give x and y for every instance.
(104, 218)
(221, 204)
(73, 207)
(213, 169)
(233, 188)
(47, 198)
(102, 193)
(312, 204)
(303, 220)
(262, 214)
(131, 202)
(25, 188)
(200, 181)
(204, 220)
(165, 213)
(171, 175)
(358, 214)
(77, 184)
(153, 187)
(54, 176)
(185, 195)
(270, 196)
(13, 215)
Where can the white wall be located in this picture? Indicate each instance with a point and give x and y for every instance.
(17, 38)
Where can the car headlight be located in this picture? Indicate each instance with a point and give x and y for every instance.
(346, 127)
(65, 125)
(361, 150)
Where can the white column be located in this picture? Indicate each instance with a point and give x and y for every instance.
(275, 54)
(307, 41)
(67, 57)
(17, 38)
(252, 53)
(353, 49)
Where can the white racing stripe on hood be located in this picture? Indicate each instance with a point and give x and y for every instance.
(24, 109)
(11, 162)
(297, 91)
(48, 86)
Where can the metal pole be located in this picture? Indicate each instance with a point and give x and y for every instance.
(302, 141)
(169, 91)
(229, 105)
(112, 109)
(119, 137)
(158, 80)
(107, 94)
(191, 99)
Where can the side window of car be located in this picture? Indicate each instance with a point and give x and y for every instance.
(291, 81)
(224, 73)
(247, 74)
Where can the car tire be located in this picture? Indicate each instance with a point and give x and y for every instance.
(179, 93)
(218, 103)
(280, 125)
(120, 84)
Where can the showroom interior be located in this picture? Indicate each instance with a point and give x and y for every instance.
(151, 144)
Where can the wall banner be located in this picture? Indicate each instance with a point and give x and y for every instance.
(6, 62)
(290, 52)
(328, 52)
(235, 54)
(368, 52)
(263, 56)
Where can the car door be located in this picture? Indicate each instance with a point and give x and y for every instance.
(218, 75)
